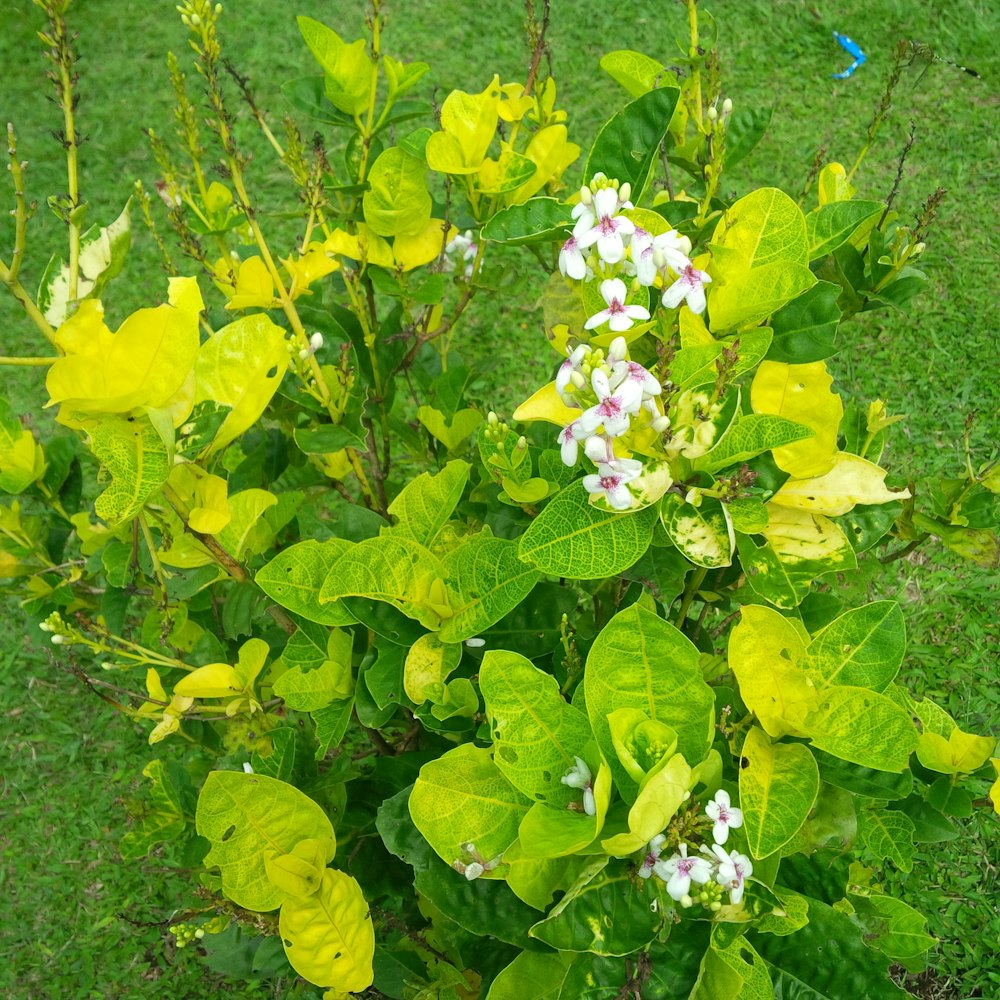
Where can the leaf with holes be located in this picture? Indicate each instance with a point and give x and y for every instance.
(888, 834)
(423, 507)
(247, 817)
(294, 577)
(328, 935)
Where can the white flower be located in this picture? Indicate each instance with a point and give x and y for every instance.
(608, 229)
(579, 776)
(571, 260)
(734, 870)
(722, 812)
(613, 407)
(652, 855)
(630, 371)
(671, 250)
(688, 287)
(679, 871)
(565, 375)
(643, 254)
(569, 441)
(612, 483)
(618, 315)
(463, 246)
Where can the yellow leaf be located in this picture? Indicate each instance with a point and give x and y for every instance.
(144, 364)
(301, 872)
(694, 331)
(851, 480)
(551, 152)
(210, 513)
(800, 393)
(254, 286)
(546, 405)
(765, 650)
(215, 680)
(961, 753)
(995, 787)
(314, 264)
(833, 184)
(328, 936)
(421, 248)
(468, 123)
(364, 246)
(798, 536)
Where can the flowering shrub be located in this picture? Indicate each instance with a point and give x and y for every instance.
(557, 711)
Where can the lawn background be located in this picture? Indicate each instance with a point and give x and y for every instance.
(69, 763)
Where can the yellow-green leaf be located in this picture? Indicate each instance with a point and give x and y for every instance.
(463, 799)
(765, 652)
(425, 504)
(249, 816)
(301, 872)
(864, 647)
(960, 753)
(742, 297)
(779, 783)
(429, 661)
(800, 393)
(546, 404)
(137, 460)
(397, 201)
(468, 123)
(765, 226)
(328, 936)
(850, 480)
(347, 67)
(214, 680)
(241, 366)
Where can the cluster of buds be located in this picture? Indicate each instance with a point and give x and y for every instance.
(59, 632)
(715, 871)
(622, 247)
(611, 391)
(185, 933)
(315, 343)
(477, 866)
(580, 776)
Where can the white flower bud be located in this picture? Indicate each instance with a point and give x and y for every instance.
(58, 640)
(596, 449)
(45, 626)
(475, 642)
(304, 353)
(586, 196)
(492, 419)
(919, 249)
(727, 107)
(473, 870)
(247, 768)
(625, 192)
(578, 380)
(712, 114)
(522, 443)
(315, 342)
(660, 424)
(617, 350)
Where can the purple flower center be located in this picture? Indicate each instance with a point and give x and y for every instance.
(570, 245)
(684, 866)
(691, 276)
(607, 225)
(567, 433)
(610, 407)
(636, 372)
(615, 306)
(609, 483)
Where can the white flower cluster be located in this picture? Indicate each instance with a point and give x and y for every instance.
(727, 870)
(611, 391)
(463, 248)
(599, 224)
(56, 628)
(579, 776)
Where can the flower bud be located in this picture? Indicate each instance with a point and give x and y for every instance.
(578, 380)
(522, 442)
(57, 640)
(475, 642)
(918, 249)
(492, 419)
(45, 626)
(596, 449)
(660, 424)
(586, 197)
(304, 353)
(625, 192)
(315, 342)
(727, 108)
(617, 350)
(712, 114)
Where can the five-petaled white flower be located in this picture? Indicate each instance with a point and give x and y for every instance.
(652, 855)
(601, 225)
(572, 263)
(618, 316)
(613, 480)
(614, 407)
(734, 870)
(569, 442)
(679, 871)
(579, 776)
(723, 814)
(689, 287)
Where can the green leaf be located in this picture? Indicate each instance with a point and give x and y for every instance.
(888, 834)
(346, 67)
(864, 647)
(703, 534)
(320, 670)
(750, 436)
(294, 578)
(536, 733)
(864, 727)
(21, 459)
(326, 439)
(241, 366)
(743, 297)
(827, 960)
(392, 569)
(735, 971)
(331, 723)
(531, 976)
(246, 816)
(627, 145)
(279, 762)
(423, 507)
(892, 926)
(487, 579)
(136, 458)
(328, 936)
(864, 781)
(540, 220)
(832, 225)
(427, 665)
(608, 915)
(805, 330)
(161, 817)
(462, 798)
(744, 130)
(572, 538)
(451, 433)
(779, 783)
(397, 202)
(764, 227)
(640, 661)
(637, 73)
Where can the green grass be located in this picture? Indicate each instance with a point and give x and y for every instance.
(71, 762)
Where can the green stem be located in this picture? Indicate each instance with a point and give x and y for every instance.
(689, 592)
